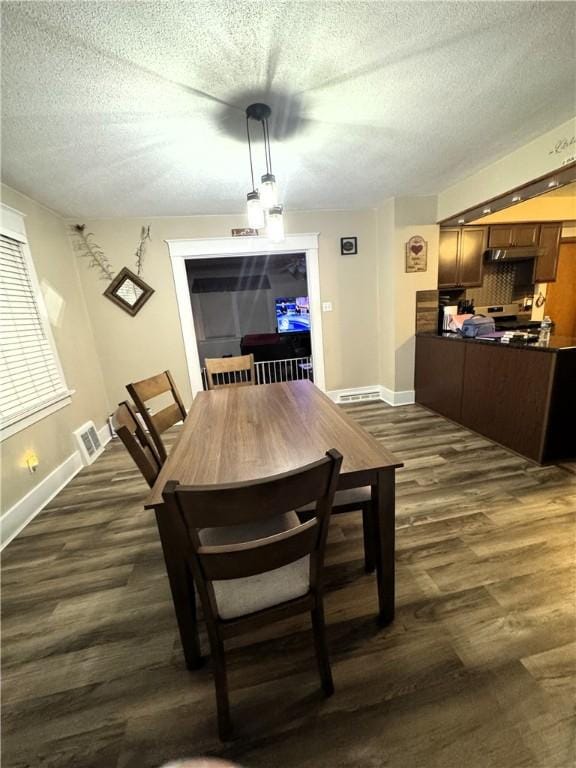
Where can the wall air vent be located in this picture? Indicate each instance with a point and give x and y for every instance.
(359, 396)
(88, 442)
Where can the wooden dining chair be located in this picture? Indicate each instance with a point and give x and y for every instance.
(354, 500)
(230, 371)
(143, 391)
(252, 560)
(137, 442)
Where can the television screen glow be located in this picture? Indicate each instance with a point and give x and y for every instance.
(293, 314)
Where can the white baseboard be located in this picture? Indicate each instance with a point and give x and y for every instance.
(400, 397)
(375, 392)
(24, 511)
(104, 435)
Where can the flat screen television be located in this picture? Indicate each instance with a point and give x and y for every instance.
(292, 314)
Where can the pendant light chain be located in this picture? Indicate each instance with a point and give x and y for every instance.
(266, 143)
(250, 153)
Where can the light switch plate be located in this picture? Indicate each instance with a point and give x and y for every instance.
(326, 306)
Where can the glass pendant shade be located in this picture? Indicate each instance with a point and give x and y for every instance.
(275, 224)
(254, 210)
(268, 191)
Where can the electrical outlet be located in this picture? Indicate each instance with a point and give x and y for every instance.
(326, 306)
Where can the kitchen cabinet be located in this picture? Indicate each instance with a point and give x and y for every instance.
(505, 395)
(439, 375)
(510, 235)
(520, 397)
(547, 263)
(460, 257)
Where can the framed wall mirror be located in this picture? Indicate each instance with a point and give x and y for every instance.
(128, 291)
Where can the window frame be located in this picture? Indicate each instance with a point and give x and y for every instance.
(12, 225)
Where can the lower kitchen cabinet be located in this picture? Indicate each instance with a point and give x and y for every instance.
(505, 395)
(439, 375)
(521, 398)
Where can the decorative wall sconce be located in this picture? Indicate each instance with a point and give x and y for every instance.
(128, 291)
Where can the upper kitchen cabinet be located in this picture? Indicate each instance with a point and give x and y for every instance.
(547, 262)
(460, 257)
(510, 235)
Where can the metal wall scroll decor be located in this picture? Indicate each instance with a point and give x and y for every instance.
(127, 290)
(416, 254)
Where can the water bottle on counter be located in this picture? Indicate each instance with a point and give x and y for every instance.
(545, 329)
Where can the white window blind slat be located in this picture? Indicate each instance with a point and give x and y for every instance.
(30, 375)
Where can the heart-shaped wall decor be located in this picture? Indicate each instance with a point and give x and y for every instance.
(416, 248)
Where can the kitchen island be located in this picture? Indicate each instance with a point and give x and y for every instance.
(522, 396)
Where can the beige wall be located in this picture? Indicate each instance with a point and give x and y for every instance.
(131, 348)
(386, 277)
(400, 219)
(537, 158)
(51, 438)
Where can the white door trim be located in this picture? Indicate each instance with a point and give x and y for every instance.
(222, 247)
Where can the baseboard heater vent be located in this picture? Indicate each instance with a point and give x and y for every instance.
(356, 397)
(88, 442)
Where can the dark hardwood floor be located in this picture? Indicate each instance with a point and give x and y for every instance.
(478, 669)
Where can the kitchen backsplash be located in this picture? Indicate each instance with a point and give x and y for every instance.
(503, 284)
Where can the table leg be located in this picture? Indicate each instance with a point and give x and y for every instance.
(181, 586)
(383, 507)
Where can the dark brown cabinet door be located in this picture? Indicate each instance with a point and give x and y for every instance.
(547, 263)
(448, 258)
(505, 394)
(472, 247)
(525, 234)
(439, 374)
(500, 236)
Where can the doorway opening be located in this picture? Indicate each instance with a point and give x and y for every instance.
(290, 307)
(253, 305)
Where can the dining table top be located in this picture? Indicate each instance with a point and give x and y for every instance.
(245, 433)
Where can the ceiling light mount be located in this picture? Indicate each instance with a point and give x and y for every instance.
(258, 112)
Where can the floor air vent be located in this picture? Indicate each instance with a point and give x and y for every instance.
(88, 442)
(357, 397)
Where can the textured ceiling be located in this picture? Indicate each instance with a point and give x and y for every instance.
(137, 108)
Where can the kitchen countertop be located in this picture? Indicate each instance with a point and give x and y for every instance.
(553, 344)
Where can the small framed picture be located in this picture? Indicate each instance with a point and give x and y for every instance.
(245, 232)
(348, 246)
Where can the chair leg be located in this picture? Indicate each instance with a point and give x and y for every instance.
(321, 648)
(369, 542)
(221, 684)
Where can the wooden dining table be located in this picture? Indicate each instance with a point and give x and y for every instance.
(246, 433)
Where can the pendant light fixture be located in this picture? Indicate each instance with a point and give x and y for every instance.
(253, 203)
(266, 198)
(275, 224)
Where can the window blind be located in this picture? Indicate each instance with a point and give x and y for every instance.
(30, 373)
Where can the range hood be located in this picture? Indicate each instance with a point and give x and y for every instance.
(516, 253)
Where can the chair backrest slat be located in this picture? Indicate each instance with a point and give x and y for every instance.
(137, 442)
(241, 560)
(230, 371)
(143, 391)
(237, 503)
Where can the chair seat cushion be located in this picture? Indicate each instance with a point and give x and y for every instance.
(239, 597)
(346, 498)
